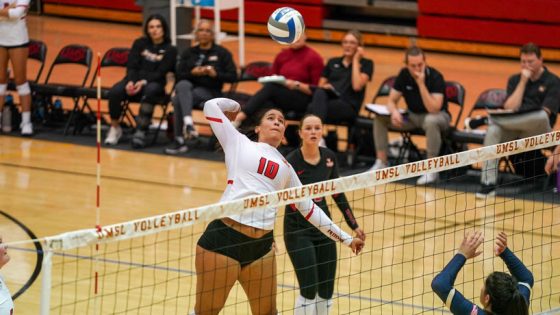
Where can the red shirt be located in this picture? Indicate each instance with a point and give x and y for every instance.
(304, 65)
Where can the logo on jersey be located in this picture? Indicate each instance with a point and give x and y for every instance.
(300, 172)
(330, 163)
(151, 56)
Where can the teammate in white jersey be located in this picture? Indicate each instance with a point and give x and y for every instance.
(239, 248)
(6, 303)
(13, 46)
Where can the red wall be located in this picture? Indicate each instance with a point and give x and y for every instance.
(513, 22)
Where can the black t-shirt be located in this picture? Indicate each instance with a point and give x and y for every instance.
(544, 92)
(406, 84)
(217, 56)
(327, 168)
(149, 61)
(340, 77)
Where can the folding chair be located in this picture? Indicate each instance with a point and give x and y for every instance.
(251, 72)
(489, 99)
(70, 55)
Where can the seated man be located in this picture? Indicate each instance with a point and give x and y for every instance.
(534, 95)
(301, 66)
(423, 88)
(201, 74)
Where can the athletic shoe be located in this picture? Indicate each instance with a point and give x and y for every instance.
(378, 165)
(427, 179)
(115, 133)
(486, 191)
(27, 129)
(177, 147)
(190, 132)
(139, 139)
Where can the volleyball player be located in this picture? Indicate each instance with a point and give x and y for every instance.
(6, 303)
(239, 247)
(311, 252)
(13, 47)
(501, 293)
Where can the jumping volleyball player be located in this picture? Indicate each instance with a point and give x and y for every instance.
(239, 247)
(312, 253)
(13, 46)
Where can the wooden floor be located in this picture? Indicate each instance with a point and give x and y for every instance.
(50, 188)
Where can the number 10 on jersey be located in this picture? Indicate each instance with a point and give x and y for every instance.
(268, 168)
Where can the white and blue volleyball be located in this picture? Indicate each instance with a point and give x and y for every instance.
(286, 25)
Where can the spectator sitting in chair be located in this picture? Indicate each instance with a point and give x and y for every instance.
(201, 74)
(534, 94)
(301, 66)
(423, 88)
(342, 85)
(151, 58)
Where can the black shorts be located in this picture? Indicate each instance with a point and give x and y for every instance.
(222, 239)
(16, 46)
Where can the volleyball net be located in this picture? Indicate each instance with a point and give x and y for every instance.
(147, 266)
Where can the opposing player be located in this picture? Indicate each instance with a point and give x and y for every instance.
(6, 302)
(239, 247)
(501, 293)
(13, 47)
(312, 253)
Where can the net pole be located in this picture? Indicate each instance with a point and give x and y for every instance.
(46, 282)
(98, 184)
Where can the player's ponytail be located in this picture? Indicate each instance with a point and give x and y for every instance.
(505, 298)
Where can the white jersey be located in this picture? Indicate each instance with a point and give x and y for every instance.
(255, 168)
(6, 303)
(14, 27)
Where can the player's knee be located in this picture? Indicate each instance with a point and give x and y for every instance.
(23, 89)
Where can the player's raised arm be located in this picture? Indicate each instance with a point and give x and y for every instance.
(215, 111)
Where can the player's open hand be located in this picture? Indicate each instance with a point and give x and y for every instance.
(501, 243)
(470, 244)
(357, 245)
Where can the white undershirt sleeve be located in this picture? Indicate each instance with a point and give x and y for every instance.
(221, 126)
(316, 216)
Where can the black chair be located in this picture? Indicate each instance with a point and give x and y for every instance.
(250, 73)
(70, 55)
(489, 99)
(116, 57)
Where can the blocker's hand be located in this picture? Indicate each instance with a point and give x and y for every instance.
(470, 244)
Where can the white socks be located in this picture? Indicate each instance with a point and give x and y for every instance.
(323, 306)
(304, 306)
(187, 120)
(25, 117)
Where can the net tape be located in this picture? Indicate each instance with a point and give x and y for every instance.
(188, 217)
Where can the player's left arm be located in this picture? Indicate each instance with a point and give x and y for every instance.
(316, 216)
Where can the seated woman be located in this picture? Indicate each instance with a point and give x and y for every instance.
(501, 293)
(301, 65)
(343, 82)
(151, 58)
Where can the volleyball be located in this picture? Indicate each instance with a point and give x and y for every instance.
(285, 25)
